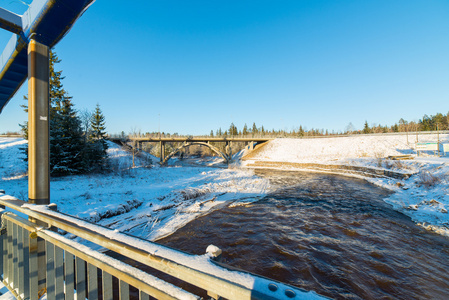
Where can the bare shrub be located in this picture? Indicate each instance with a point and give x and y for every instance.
(379, 158)
(400, 165)
(428, 180)
(363, 154)
(119, 166)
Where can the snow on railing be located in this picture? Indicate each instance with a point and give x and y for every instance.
(36, 259)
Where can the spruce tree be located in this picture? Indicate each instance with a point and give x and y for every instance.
(366, 128)
(245, 130)
(233, 130)
(66, 140)
(97, 145)
(254, 129)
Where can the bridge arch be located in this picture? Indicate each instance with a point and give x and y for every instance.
(188, 144)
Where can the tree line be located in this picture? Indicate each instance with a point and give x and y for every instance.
(77, 140)
(438, 121)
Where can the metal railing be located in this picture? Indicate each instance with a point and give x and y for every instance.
(35, 259)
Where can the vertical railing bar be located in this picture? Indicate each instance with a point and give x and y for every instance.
(3, 252)
(41, 263)
(69, 270)
(92, 279)
(80, 279)
(50, 278)
(6, 253)
(59, 273)
(2, 238)
(26, 260)
(124, 290)
(9, 274)
(107, 285)
(143, 296)
(15, 259)
(33, 267)
(21, 262)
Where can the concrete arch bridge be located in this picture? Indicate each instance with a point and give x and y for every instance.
(136, 144)
(227, 155)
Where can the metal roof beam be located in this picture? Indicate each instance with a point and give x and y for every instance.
(46, 22)
(10, 21)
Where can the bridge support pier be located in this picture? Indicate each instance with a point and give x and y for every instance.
(162, 156)
(229, 149)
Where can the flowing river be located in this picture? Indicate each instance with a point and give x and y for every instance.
(331, 234)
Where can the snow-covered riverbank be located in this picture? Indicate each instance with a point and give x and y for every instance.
(148, 202)
(153, 202)
(424, 196)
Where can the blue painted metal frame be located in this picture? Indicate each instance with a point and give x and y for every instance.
(10, 21)
(46, 21)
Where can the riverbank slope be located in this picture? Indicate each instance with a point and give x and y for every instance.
(421, 184)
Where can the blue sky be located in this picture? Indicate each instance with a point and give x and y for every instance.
(201, 65)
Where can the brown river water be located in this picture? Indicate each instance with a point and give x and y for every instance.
(331, 234)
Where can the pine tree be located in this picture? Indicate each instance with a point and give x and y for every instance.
(66, 140)
(233, 130)
(301, 131)
(255, 130)
(245, 130)
(366, 128)
(97, 145)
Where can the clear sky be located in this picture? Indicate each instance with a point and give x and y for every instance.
(192, 66)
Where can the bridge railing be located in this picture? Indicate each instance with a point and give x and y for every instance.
(70, 270)
(36, 259)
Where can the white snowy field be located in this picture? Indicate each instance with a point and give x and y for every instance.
(145, 202)
(424, 196)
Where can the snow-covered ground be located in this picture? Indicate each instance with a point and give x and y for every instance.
(147, 202)
(153, 202)
(150, 202)
(424, 196)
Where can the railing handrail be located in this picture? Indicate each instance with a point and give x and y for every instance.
(211, 277)
(108, 264)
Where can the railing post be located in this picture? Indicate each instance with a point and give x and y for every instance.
(215, 255)
(33, 267)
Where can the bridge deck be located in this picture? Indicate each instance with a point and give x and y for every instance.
(198, 139)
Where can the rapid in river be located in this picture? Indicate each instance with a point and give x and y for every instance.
(331, 234)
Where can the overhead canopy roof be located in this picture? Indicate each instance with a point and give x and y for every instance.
(46, 21)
